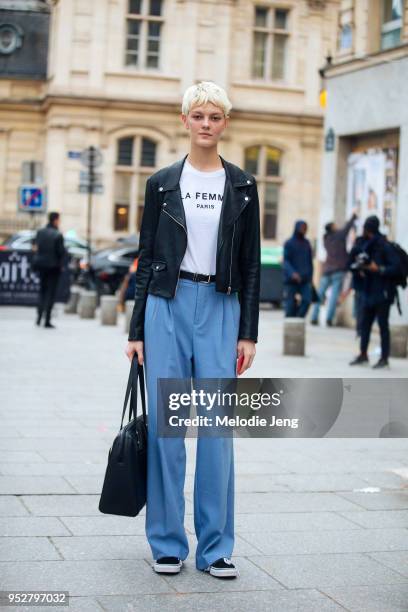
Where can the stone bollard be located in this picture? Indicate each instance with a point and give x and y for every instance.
(109, 310)
(294, 336)
(128, 314)
(399, 340)
(87, 304)
(72, 305)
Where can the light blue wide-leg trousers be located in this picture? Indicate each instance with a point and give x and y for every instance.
(193, 335)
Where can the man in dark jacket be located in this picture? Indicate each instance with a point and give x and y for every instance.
(334, 268)
(48, 262)
(298, 271)
(377, 265)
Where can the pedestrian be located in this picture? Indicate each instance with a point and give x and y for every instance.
(377, 265)
(334, 268)
(196, 311)
(298, 272)
(48, 262)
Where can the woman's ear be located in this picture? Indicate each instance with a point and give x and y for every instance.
(184, 120)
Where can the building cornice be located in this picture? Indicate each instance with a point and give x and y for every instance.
(49, 102)
(367, 61)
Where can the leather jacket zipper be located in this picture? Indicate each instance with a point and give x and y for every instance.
(232, 245)
(178, 278)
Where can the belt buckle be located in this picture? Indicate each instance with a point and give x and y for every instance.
(195, 276)
(207, 281)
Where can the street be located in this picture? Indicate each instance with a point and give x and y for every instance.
(321, 524)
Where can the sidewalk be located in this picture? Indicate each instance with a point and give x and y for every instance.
(321, 524)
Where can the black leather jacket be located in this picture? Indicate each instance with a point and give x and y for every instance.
(163, 242)
(50, 248)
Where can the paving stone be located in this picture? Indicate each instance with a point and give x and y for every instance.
(286, 521)
(76, 604)
(84, 578)
(397, 561)
(87, 484)
(53, 469)
(378, 519)
(306, 542)
(27, 549)
(18, 485)
(78, 456)
(251, 578)
(62, 505)
(375, 598)
(11, 506)
(10, 456)
(318, 571)
(291, 502)
(390, 500)
(40, 444)
(254, 601)
(32, 526)
(105, 525)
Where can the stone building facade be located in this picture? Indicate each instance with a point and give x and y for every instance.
(367, 119)
(115, 76)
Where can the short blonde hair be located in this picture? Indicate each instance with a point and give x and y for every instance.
(204, 92)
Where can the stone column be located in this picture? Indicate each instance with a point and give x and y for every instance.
(87, 304)
(72, 304)
(128, 314)
(293, 336)
(109, 310)
(399, 340)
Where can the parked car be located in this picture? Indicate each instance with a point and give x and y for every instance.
(22, 240)
(109, 267)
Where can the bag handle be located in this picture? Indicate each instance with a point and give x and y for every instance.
(131, 390)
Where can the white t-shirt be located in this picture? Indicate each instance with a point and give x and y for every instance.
(202, 194)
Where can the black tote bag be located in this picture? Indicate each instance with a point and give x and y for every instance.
(124, 487)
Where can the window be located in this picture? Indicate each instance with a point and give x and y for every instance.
(264, 163)
(270, 43)
(391, 23)
(144, 23)
(135, 162)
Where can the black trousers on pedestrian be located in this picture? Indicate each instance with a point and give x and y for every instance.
(381, 312)
(48, 289)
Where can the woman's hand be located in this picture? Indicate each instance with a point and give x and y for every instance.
(135, 347)
(247, 349)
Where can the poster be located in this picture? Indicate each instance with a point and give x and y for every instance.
(366, 186)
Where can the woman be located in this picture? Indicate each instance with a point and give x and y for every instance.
(199, 247)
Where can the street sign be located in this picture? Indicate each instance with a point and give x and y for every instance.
(91, 155)
(85, 176)
(86, 188)
(74, 154)
(32, 198)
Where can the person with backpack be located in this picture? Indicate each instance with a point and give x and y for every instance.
(377, 266)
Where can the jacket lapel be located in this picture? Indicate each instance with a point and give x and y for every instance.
(233, 202)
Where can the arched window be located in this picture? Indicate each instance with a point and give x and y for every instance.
(264, 163)
(135, 162)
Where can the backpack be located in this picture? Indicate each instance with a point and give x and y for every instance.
(400, 280)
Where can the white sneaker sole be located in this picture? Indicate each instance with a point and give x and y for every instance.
(167, 568)
(223, 573)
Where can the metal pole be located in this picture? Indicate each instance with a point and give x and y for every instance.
(90, 191)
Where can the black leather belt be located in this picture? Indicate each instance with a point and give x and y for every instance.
(198, 278)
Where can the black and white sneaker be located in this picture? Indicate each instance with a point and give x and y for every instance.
(167, 565)
(222, 568)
